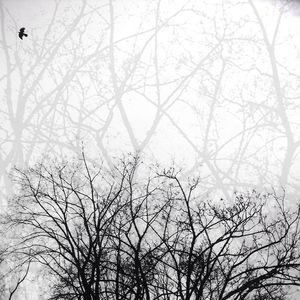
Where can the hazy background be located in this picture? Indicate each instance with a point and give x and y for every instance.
(212, 86)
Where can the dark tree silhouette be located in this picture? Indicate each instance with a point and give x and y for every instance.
(122, 235)
(12, 275)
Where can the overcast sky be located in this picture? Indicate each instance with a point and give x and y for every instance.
(212, 86)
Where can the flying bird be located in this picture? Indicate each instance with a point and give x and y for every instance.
(22, 33)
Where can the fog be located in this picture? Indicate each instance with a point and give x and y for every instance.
(209, 86)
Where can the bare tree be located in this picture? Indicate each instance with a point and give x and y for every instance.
(13, 273)
(121, 235)
(81, 75)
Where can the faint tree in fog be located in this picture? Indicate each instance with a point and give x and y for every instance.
(122, 235)
(83, 74)
(12, 274)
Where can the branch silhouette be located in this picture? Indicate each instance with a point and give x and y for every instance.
(118, 235)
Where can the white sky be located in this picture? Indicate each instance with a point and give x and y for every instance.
(232, 132)
(180, 49)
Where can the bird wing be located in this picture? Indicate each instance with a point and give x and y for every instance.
(21, 35)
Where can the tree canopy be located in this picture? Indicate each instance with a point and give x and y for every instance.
(119, 234)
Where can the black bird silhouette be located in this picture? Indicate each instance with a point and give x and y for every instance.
(22, 33)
